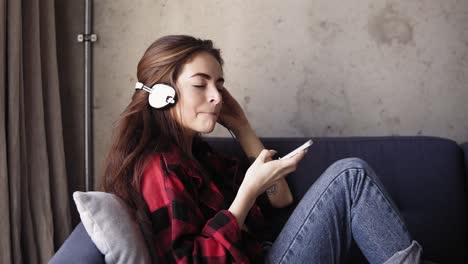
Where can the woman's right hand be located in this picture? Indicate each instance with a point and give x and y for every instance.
(264, 172)
(260, 176)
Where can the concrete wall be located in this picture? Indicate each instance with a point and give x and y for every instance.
(304, 68)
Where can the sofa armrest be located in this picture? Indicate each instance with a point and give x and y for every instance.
(464, 146)
(78, 248)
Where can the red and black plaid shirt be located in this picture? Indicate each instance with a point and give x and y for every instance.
(190, 219)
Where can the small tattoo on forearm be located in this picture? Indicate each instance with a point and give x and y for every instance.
(272, 189)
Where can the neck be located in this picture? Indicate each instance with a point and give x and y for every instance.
(189, 144)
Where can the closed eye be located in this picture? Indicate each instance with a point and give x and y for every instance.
(201, 86)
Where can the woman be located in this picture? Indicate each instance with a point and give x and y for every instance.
(198, 206)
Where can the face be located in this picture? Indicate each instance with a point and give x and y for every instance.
(199, 84)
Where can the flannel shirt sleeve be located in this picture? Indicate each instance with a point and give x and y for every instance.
(182, 234)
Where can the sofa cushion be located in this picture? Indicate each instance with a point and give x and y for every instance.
(423, 175)
(111, 227)
(78, 249)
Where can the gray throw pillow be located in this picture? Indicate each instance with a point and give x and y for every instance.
(109, 223)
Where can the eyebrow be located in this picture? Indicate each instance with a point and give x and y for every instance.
(206, 76)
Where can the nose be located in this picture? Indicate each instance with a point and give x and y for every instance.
(215, 96)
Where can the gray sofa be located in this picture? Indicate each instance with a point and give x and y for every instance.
(425, 176)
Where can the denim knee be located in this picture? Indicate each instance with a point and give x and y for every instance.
(357, 163)
(352, 162)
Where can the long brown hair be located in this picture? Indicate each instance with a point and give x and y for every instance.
(141, 129)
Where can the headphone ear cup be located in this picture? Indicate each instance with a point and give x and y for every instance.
(161, 95)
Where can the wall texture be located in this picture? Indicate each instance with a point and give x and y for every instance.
(304, 68)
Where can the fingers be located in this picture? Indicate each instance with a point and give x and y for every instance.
(262, 156)
(290, 164)
(265, 155)
(299, 156)
(271, 154)
(294, 159)
(279, 167)
(226, 93)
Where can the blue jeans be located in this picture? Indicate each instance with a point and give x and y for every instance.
(348, 201)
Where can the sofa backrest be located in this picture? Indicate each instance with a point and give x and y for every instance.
(425, 176)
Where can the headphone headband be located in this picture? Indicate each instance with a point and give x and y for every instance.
(140, 85)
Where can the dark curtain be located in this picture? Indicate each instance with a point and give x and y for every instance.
(34, 200)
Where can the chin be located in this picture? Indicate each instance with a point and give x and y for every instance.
(205, 126)
(206, 130)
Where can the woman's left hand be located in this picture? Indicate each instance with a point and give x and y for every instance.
(231, 116)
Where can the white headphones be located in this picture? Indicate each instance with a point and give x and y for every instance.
(160, 95)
